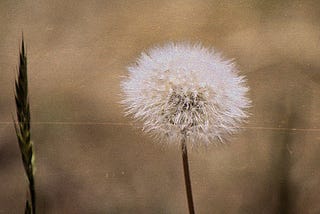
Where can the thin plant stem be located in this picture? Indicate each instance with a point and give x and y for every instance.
(187, 175)
(33, 194)
(23, 129)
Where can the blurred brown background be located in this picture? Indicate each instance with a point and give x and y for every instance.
(78, 51)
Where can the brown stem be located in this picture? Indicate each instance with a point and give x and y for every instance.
(187, 175)
(33, 195)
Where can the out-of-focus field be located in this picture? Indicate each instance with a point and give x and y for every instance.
(89, 158)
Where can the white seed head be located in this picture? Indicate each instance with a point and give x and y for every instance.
(186, 91)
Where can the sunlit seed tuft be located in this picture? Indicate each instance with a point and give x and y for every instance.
(182, 90)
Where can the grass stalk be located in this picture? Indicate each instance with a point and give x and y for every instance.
(22, 128)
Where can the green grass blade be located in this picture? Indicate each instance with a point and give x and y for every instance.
(22, 127)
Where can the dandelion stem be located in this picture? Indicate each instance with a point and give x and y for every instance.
(187, 175)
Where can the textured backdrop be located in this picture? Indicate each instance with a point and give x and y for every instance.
(90, 159)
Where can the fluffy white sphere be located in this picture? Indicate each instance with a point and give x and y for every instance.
(186, 91)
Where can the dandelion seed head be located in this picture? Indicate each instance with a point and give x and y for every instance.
(187, 91)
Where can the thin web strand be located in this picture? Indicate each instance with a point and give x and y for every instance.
(131, 124)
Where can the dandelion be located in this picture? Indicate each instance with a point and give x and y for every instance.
(186, 94)
(186, 91)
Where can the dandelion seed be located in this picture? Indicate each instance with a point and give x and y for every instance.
(183, 91)
(187, 94)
